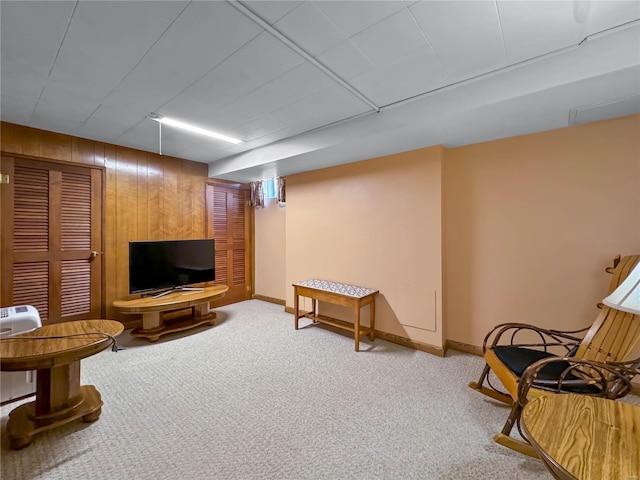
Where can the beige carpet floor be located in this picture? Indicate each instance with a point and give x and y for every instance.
(251, 398)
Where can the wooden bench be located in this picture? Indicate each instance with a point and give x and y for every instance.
(338, 294)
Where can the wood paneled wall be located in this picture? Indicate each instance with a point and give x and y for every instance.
(147, 196)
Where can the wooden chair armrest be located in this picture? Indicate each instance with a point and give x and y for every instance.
(549, 337)
(613, 379)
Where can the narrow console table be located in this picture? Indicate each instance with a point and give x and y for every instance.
(152, 310)
(55, 351)
(338, 294)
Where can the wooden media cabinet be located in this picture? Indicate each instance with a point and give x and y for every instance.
(153, 309)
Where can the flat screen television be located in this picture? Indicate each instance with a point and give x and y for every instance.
(170, 264)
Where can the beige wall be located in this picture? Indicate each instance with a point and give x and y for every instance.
(531, 221)
(375, 224)
(270, 250)
(529, 224)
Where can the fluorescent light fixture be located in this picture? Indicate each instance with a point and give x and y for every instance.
(193, 128)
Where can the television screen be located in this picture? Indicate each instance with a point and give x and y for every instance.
(168, 264)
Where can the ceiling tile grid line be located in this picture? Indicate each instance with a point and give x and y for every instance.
(64, 36)
(430, 44)
(338, 21)
(351, 20)
(501, 28)
(294, 46)
(502, 42)
(53, 63)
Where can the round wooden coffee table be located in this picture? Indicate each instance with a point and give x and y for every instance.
(55, 351)
(583, 437)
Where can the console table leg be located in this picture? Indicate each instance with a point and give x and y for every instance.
(372, 319)
(296, 315)
(356, 325)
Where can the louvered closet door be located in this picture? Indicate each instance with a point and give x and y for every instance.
(51, 239)
(229, 223)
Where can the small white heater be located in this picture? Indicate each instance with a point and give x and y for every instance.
(15, 385)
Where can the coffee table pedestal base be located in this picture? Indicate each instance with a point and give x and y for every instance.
(23, 423)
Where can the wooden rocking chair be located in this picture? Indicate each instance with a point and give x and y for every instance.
(592, 364)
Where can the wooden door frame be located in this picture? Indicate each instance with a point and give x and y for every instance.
(103, 179)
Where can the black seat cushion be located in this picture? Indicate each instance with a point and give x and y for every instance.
(517, 359)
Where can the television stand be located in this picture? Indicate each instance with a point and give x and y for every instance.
(153, 309)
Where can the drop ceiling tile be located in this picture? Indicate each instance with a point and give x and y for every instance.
(330, 105)
(202, 37)
(376, 86)
(63, 90)
(188, 108)
(271, 11)
(176, 143)
(465, 35)
(200, 150)
(22, 85)
(294, 85)
(143, 135)
(61, 117)
(346, 60)
(103, 129)
(532, 28)
(261, 126)
(310, 29)
(417, 73)
(109, 123)
(604, 15)
(116, 33)
(258, 62)
(394, 37)
(31, 34)
(353, 17)
(17, 109)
